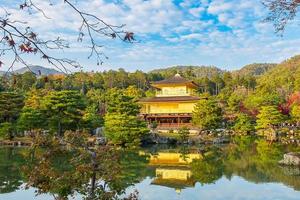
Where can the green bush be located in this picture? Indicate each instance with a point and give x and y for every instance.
(183, 134)
(268, 116)
(124, 130)
(207, 115)
(243, 124)
(6, 130)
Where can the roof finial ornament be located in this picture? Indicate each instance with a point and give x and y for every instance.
(177, 74)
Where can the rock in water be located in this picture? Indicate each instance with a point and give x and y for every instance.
(291, 158)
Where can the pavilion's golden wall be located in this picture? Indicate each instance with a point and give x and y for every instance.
(178, 174)
(175, 91)
(167, 107)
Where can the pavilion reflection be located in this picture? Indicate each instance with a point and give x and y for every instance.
(172, 169)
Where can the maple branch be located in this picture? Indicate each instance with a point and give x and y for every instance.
(281, 12)
(28, 41)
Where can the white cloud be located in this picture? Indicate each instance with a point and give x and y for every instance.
(219, 6)
(219, 32)
(197, 12)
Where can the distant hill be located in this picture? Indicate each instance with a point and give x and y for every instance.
(38, 70)
(196, 71)
(254, 69)
(285, 77)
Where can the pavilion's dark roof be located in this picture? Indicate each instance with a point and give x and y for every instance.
(177, 79)
(170, 99)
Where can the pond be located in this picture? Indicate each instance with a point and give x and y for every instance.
(244, 169)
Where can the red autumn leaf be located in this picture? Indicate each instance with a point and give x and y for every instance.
(22, 6)
(4, 23)
(27, 48)
(293, 99)
(11, 42)
(32, 35)
(129, 36)
(113, 35)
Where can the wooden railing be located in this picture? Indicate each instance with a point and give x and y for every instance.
(174, 125)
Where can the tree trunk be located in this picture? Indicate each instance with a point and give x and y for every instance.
(59, 130)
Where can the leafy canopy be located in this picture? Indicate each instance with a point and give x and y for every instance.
(207, 114)
(122, 125)
(64, 109)
(268, 116)
(243, 124)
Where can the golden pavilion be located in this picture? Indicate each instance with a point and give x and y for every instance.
(173, 103)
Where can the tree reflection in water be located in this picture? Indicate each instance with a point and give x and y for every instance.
(74, 168)
(248, 157)
(10, 162)
(106, 173)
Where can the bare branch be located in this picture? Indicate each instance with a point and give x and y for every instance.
(281, 12)
(20, 41)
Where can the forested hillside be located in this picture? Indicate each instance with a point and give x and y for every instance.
(254, 69)
(285, 77)
(189, 71)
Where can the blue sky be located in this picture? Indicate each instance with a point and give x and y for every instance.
(224, 33)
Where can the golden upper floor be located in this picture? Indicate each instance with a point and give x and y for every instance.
(175, 86)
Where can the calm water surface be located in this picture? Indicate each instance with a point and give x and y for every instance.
(245, 169)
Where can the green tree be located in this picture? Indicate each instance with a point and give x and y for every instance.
(31, 119)
(2, 84)
(6, 130)
(27, 80)
(234, 102)
(124, 129)
(183, 133)
(11, 104)
(64, 110)
(268, 116)
(122, 125)
(243, 124)
(133, 91)
(92, 118)
(295, 113)
(207, 114)
(118, 102)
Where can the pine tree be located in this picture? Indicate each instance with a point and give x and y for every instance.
(122, 125)
(243, 124)
(11, 104)
(268, 116)
(64, 110)
(31, 119)
(183, 134)
(295, 113)
(207, 114)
